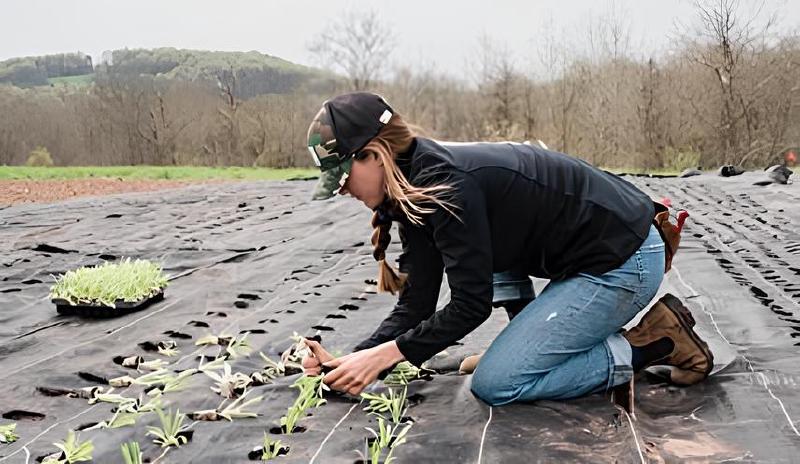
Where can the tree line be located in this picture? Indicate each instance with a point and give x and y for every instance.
(727, 93)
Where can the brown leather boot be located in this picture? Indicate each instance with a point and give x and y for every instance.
(469, 364)
(691, 359)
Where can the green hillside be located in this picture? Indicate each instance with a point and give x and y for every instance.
(254, 73)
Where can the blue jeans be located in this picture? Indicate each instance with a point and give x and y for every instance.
(566, 343)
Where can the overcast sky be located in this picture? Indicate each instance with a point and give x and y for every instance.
(443, 33)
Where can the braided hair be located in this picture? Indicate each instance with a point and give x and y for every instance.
(403, 198)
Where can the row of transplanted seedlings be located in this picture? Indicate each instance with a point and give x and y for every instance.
(234, 387)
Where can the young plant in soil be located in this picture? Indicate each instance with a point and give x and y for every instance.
(236, 410)
(8, 434)
(274, 369)
(129, 281)
(127, 412)
(295, 352)
(152, 365)
(238, 347)
(214, 340)
(174, 383)
(215, 364)
(228, 384)
(270, 450)
(405, 372)
(72, 450)
(131, 453)
(172, 431)
(385, 440)
(168, 348)
(310, 396)
(395, 404)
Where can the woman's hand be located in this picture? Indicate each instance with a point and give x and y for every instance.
(353, 372)
(312, 361)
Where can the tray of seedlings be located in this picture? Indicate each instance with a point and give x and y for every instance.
(109, 290)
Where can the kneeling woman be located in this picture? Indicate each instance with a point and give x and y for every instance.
(469, 210)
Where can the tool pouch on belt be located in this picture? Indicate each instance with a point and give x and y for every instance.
(670, 233)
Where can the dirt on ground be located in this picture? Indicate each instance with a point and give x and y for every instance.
(47, 191)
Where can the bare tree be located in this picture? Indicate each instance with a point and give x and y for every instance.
(725, 42)
(358, 45)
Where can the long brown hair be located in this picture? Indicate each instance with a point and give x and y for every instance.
(412, 201)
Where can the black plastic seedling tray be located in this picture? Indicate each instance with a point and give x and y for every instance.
(102, 311)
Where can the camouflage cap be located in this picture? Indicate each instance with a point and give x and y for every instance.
(342, 127)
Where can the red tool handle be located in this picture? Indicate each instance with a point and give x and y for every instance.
(682, 216)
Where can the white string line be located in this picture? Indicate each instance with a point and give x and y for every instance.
(54, 425)
(483, 435)
(633, 431)
(760, 375)
(319, 450)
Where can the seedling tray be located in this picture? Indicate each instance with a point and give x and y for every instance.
(98, 310)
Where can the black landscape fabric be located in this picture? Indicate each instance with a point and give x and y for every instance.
(260, 257)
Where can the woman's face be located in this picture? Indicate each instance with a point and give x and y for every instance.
(366, 181)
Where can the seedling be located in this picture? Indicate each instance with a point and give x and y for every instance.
(229, 385)
(152, 365)
(270, 450)
(214, 365)
(122, 402)
(310, 396)
(172, 430)
(168, 348)
(214, 340)
(131, 453)
(295, 352)
(129, 281)
(387, 437)
(238, 347)
(395, 404)
(405, 372)
(127, 412)
(173, 383)
(7, 433)
(275, 369)
(72, 451)
(158, 377)
(235, 410)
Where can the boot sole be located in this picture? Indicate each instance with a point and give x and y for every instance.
(686, 319)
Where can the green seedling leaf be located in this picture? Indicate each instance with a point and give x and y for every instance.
(8, 433)
(131, 453)
(72, 450)
(271, 448)
(169, 434)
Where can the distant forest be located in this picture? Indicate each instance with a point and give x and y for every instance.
(728, 92)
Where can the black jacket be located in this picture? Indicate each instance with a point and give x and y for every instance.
(520, 207)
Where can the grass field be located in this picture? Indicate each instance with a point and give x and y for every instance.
(153, 172)
(81, 80)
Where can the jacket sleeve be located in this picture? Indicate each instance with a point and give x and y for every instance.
(423, 264)
(464, 244)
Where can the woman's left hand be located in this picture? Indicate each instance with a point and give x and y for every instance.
(353, 372)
